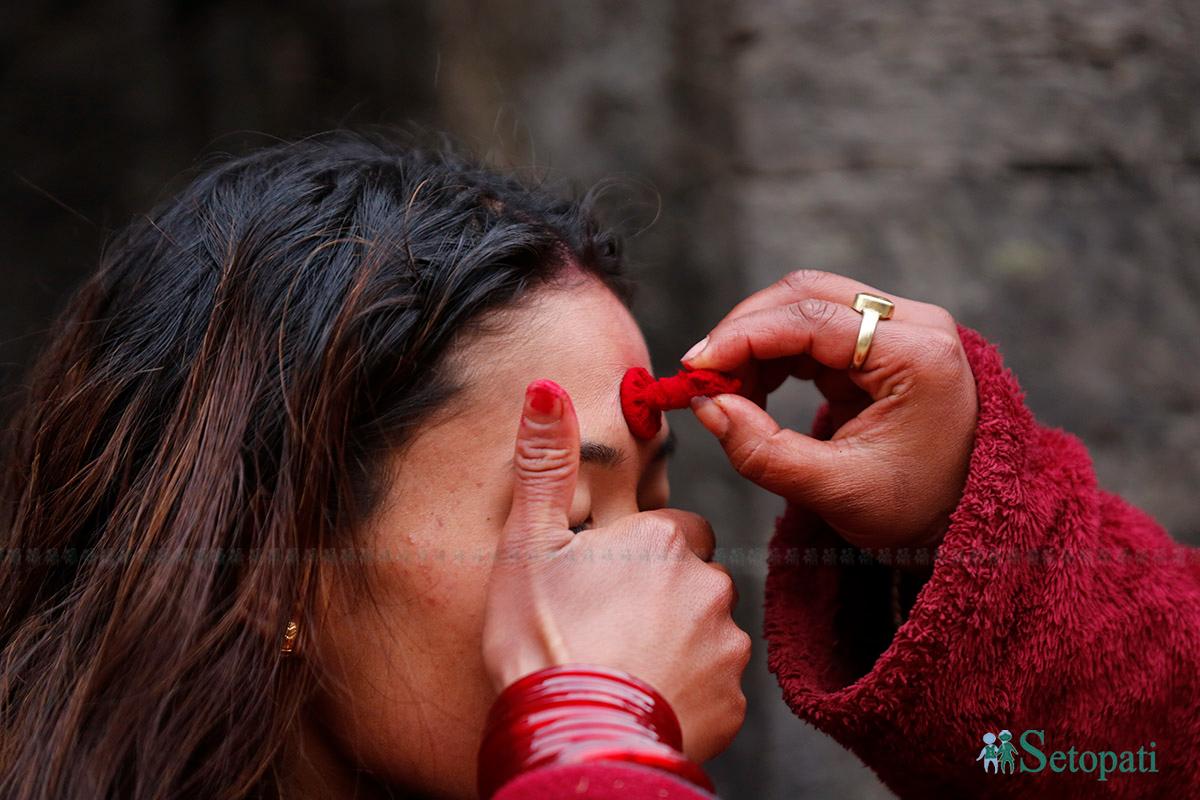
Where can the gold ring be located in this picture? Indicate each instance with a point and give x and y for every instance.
(873, 308)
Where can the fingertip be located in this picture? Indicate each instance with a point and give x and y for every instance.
(720, 351)
(731, 403)
(545, 401)
(693, 358)
(711, 415)
(545, 463)
(705, 360)
(743, 417)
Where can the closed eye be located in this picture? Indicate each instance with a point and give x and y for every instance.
(605, 455)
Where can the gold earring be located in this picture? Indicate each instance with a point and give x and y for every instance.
(289, 638)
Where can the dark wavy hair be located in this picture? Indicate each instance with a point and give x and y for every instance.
(203, 428)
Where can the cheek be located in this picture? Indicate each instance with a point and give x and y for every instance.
(442, 587)
(408, 655)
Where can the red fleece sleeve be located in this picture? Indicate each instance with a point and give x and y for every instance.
(600, 780)
(1052, 605)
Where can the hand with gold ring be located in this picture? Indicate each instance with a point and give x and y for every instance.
(904, 418)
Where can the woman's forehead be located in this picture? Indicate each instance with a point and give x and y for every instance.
(580, 336)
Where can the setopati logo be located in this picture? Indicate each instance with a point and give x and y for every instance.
(1000, 754)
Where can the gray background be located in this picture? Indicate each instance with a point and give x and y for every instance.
(1032, 166)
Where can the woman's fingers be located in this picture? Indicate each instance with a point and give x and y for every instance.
(545, 467)
(790, 464)
(825, 330)
(895, 466)
(804, 283)
(662, 613)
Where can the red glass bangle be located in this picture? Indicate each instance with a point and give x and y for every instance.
(572, 714)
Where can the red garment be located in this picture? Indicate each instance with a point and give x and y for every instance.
(1053, 606)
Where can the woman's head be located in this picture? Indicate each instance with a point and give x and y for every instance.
(290, 393)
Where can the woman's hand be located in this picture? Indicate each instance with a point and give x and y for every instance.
(641, 595)
(894, 470)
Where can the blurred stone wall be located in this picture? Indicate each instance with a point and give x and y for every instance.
(1032, 166)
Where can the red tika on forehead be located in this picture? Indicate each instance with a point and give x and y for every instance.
(643, 399)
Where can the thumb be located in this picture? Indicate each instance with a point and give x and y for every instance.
(545, 466)
(796, 467)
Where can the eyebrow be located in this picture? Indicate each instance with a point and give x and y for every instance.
(605, 455)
